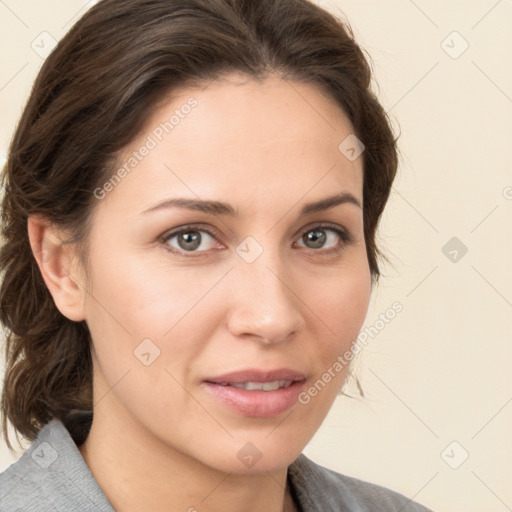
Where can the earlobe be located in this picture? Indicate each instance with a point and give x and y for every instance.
(57, 263)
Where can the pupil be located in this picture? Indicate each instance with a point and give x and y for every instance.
(316, 238)
(189, 240)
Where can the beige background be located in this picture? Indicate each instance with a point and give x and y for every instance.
(439, 372)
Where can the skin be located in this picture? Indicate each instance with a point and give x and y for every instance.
(158, 437)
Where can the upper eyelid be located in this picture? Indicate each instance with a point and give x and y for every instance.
(191, 227)
(340, 230)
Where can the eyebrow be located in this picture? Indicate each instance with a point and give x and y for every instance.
(220, 208)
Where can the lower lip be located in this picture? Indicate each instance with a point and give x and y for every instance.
(257, 404)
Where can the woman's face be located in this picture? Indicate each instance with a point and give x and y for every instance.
(222, 286)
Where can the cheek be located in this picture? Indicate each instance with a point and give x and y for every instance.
(136, 309)
(145, 295)
(342, 305)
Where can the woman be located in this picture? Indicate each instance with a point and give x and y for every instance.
(191, 200)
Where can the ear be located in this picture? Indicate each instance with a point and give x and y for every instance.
(59, 266)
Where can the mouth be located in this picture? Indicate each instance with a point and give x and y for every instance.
(281, 376)
(256, 393)
(259, 386)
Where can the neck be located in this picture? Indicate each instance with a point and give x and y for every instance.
(136, 472)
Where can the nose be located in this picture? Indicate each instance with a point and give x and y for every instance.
(264, 306)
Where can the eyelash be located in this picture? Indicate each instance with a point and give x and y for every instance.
(346, 239)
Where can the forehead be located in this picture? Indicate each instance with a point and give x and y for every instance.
(244, 139)
(237, 109)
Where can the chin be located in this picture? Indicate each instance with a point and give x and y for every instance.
(258, 453)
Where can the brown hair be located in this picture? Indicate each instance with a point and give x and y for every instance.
(90, 99)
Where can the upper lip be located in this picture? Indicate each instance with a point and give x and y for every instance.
(256, 375)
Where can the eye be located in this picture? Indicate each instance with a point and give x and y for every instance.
(197, 240)
(324, 237)
(190, 239)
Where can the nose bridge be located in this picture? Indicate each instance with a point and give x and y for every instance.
(264, 305)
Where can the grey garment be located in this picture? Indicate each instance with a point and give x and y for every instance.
(52, 476)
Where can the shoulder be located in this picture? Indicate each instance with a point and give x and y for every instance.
(319, 488)
(51, 475)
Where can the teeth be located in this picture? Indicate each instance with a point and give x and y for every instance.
(262, 386)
